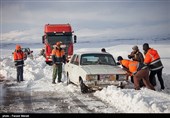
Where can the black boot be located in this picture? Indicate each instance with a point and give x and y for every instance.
(53, 82)
(59, 80)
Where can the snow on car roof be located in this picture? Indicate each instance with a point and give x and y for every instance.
(89, 52)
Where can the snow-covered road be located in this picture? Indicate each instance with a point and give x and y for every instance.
(62, 101)
(37, 94)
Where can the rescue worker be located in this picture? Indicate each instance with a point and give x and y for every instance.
(136, 55)
(19, 58)
(152, 59)
(138, 71)
(58, 58)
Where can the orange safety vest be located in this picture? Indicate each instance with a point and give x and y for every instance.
(58, 53)
(125, 63)
(131, 65)
(19, 58)
(151, 56)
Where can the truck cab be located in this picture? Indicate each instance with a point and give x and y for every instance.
(58, 32)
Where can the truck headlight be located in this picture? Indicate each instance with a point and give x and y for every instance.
(50, 57)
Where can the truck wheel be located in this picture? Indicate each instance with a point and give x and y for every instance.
(49, 63)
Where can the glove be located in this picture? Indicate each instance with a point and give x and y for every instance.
(129, 56)
(15, 63)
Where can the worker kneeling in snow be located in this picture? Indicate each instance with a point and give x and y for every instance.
(138, 70)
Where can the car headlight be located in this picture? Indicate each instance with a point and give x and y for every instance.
(121, 77)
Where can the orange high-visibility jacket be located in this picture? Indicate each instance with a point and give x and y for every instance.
(132, 66)
(125, 63)
(58, 55)
(152, 58)
(19, 58)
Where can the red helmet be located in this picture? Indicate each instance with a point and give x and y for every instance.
(18, 47)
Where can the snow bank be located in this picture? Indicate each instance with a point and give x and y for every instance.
(132, 101)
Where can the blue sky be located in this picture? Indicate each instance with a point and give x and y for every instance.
(90, 19)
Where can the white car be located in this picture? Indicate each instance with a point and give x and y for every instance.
(94, 70)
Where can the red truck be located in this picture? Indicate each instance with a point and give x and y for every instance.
(58, 32)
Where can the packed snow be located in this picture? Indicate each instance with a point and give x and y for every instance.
(38, 78)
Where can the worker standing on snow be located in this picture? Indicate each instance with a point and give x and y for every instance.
(152, 59)
(19, 58)
(58, 58)
(136, 55)
(138, 71)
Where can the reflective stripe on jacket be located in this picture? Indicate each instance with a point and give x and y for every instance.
(152, 58)
(18, 58)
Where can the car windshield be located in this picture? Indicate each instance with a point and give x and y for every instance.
(97, 59)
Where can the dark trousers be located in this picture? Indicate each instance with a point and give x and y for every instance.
(152, 78)
(20, 73)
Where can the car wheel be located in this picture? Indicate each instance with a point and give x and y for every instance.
(68, 79)
(83, 87)
(49, 63)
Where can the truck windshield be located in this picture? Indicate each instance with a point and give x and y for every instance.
(64, 39)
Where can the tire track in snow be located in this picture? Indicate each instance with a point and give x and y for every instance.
(91, 104)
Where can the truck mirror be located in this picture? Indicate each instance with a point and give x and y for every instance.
(43, 40)
(75, 38)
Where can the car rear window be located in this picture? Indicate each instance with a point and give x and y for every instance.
(97, 59)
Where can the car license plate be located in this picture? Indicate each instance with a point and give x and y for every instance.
(108, 77)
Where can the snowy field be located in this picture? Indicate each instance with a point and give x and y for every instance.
(38, 78)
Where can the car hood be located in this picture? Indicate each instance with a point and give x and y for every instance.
(103, 69)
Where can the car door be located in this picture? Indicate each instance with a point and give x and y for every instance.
(74, 70)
